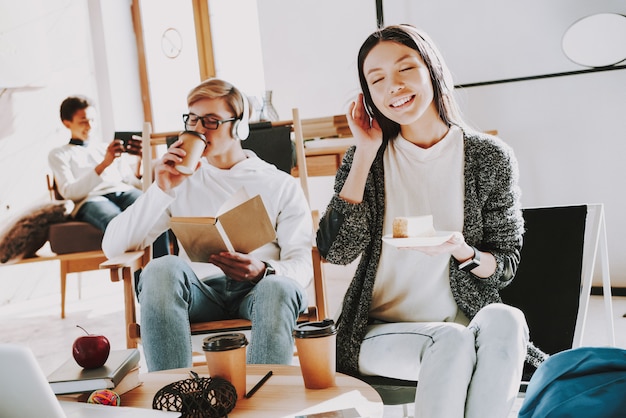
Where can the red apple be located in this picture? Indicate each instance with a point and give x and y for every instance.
(91, 351)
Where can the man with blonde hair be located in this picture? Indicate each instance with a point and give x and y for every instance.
(266, 286)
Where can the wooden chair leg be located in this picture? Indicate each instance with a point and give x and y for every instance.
(129, 306)
(123, 269)
(64, 269)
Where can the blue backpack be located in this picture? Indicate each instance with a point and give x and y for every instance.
(584, 382)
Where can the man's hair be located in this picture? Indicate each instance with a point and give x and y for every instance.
(73, 104)
(215, 88)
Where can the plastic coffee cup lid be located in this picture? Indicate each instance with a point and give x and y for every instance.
(194, 133)
(315, 329)
(224, 342)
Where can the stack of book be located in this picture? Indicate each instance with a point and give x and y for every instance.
(120, 373)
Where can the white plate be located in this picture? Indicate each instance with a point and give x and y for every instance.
(439, 238)
(330, 142)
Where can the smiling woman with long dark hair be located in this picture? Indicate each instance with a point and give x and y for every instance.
(427, 313)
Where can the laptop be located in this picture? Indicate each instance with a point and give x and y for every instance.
(26, 393)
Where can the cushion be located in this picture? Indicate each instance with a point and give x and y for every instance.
(579, 382)
(74, 236)
(23, 237)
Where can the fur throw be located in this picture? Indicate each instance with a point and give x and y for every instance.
(23, 237)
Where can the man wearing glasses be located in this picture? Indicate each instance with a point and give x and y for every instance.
(266, 286)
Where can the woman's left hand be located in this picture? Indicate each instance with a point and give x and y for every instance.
(239, 267)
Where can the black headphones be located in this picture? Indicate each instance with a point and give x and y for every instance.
(241, 127)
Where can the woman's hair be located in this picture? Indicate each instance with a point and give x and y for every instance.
(440, 76)
(73, 104)
(215, 88)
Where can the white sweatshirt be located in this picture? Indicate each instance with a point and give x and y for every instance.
(73, 167)
(203, 193)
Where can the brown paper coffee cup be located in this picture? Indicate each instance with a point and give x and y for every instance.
(194, 144)
(315, 342)
(226, 358)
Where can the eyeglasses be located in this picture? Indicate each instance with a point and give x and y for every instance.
(191, 120)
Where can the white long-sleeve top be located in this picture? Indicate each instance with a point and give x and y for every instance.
(203, 193)
(73, 167)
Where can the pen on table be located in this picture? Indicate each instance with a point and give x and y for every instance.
(258, 385)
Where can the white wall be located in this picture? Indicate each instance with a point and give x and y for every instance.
(49, 42)
(169, 79)
(309, 52)
(485, 40)
(119, 57)
(567, 132)
(237, 44)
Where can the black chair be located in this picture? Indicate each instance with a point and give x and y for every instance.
(547, 284)
(546, 288)
(272, 143)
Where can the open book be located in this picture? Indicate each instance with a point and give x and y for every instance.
(242, 225)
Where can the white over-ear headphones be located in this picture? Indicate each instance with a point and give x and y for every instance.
(241, 127)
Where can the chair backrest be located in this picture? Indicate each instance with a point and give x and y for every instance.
(53, 190)
(272, 144)
(548, 282)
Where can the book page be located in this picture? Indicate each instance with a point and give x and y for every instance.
(235, 200)
(248, 225)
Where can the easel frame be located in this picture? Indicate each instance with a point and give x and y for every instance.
(595, 246)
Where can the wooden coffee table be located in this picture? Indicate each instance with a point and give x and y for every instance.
(283, 395)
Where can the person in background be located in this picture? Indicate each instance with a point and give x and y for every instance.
(92, 174)
(427, 313)
(266, 286)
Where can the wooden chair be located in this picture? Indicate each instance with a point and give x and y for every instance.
(125, 267)
(70, 263)
(75, 245)
(326, 139)
(72, 236)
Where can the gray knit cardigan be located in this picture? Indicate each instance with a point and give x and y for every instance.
(492, 222)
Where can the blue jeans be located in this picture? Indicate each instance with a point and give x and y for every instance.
(172, 297)
(100, 210)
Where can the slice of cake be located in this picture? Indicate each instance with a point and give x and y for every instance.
(413, 226)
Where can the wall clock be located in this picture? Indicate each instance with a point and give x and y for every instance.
(171, 43)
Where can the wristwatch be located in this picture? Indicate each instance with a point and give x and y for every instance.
(472, 263)
(268, 270)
